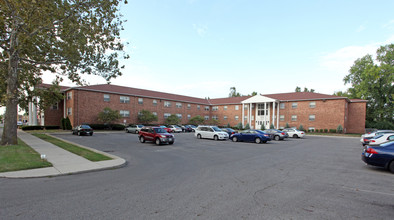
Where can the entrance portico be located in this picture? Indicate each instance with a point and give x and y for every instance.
(262, 106)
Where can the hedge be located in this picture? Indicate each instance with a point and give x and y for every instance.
(37, 127)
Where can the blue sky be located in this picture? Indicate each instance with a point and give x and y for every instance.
(201, 48)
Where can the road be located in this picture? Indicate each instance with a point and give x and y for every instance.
(311, 178)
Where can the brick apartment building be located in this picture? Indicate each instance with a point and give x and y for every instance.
(311, 110)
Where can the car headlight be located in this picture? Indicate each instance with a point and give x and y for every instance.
(162, 136)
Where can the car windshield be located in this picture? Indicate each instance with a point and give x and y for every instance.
(85, 126)
(140, 126)
(160, 130)
(216, 129)
(378, 136)
(261, 132)
(390, 143)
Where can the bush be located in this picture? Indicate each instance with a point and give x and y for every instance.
(380, 125)
(38, 127)
(239, 126)
(333, 131)
(321, 130)
(116, 127)
(228, 125)
(339, 129)
(325, 130)
(247, 126)
(67, 124)
(287, 125)
(301, 128)
(272, 126)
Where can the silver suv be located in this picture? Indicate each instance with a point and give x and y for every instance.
(211, 132)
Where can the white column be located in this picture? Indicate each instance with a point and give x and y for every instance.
(273, 113)
(30, 113)
(243, 114)
(250, 115)
(34, 111)
(277, 116)
(255, 116)
(265, 115)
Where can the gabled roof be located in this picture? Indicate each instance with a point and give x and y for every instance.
(44, 85)
(300, 96)
(122, 90)
(229, 100)
(258, 99)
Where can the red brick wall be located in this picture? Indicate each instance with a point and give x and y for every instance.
(230, 113)
(356, 117)
(54, 116)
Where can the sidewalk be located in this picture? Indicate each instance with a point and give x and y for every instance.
(64, 162)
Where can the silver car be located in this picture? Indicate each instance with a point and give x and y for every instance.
(278, 135)
(134, 129)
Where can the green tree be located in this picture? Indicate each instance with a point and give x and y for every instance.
(67, 38)
(247, 126)
(108, 116)
(374, 82)
(172, 120)
(234, 93)
(272, 126)
(298, 89)
(197, 120)
(239, 126)
(146, 117)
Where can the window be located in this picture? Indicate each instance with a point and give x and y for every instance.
(206, 117)
(166, 115)
(245, 107)
(106, 97)
(154, 113)
(140, 101)
(188, 106)
(124, 113)
(69, 111)
(225, 117)
(189, 117)
(179, 116)
(281, 117)
(236, 107)
(124, 99)
(294, 118)
(215, 117)
(225, 107)
(215, 108)
(154, 102)
(178, 105)
(55, 106)
(236, 117)
(198, 107)
(206, 108)
(311, 117)
(294, 105)
(282, 105)
(69, 95)
(167, 104)
(245, 118)
(312, 104)
(311, 129)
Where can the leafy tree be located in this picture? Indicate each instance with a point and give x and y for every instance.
(197, 120)
(247, 126)
(213, 122)
(339, 129)
(234, 93)
(146, 117)
(374, 82)
(108, 116)
(172, 120)
(298, 89)
(67, 38)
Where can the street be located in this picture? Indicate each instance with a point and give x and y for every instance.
(312, 178)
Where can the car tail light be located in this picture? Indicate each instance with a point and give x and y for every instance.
(283, 133)
(371, 151)
(366, 140)
(372, 141)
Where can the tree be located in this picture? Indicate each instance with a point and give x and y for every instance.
(68, 38)
(172, 120)
(374, 82)
(247, 126)
(146, 117)
(108, 116)
(298, 89)
(234, 93)
(197, 120)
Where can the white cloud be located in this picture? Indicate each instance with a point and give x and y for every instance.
(201, 29)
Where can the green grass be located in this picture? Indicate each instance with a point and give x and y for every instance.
(20, 157)
(88, 154)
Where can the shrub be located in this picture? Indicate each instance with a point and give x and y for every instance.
(228, 125)
(301, 128)
(67, 124)
(339, 129)
(272, 126)
(239, 126)
(380, 125)
(38, 127)
(325, 130)
(262, 127)
(333, 131)
(247, 126)
(287, 125)
(321, 130)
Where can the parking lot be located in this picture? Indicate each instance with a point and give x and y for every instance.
(311, 178)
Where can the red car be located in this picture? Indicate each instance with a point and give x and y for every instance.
(158, 135)
(169, 130)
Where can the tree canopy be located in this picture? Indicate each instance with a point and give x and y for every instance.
(108, 116)
(172, 120)
(146, 117)
(298, 89)
(67, 38)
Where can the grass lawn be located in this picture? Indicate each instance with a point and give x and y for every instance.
(88, 154)
(20, 157)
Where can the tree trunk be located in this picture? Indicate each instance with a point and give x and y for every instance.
(9, 136)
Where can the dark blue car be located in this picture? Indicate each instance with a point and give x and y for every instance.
(381, 156)
(251, 135)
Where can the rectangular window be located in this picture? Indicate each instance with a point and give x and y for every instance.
(236, 107)
(106, 97)
(154, 102)
(198, 107)
(294, 118)
(69, 111)
(69, 95)
(294, 105)
(167, 104)
(245, 118)
(225, 117)
(215, 108)
(179, 116)
(166, 115)
(312, 104)
(154, 113)
(225, 107)
(282, 105)
(252, 117)
(189, 117)
(311, 117)
(236, 118)
(215, 117)
(206, 108)
(178, 105)
(55, 106)
(245, 107)
(281, 117)
(140, 101)
(206, 117)
(124, 99)
(124, 113)
(188, 106)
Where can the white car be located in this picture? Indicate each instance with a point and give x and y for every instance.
(175, 128)
(292, 132)
(380, 139)
(366, 137)
(211, 132)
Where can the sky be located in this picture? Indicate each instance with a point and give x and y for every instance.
(202, 48)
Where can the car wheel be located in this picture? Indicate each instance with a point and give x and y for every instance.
(142, 139)
(235, 139)
(79, 133)
(277, 138)
(216, 138)
(199, 136)
(257, 140)
(264, 142)
(295, 136)
(391, 166)
(91, 134)
(157, 141)
(127, 131)
(170, 142)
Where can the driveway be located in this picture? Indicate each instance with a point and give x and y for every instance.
(311, 178)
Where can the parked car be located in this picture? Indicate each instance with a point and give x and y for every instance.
(165, 128)
(82, 130)
(157, 135)
(292, 132)
(277, 134)
(366, 137)
(175, 128)
(211, 132)
(381, 139)
(133, 128)
(381, 156)
(193, 128)
(251, 136)
(187, 128)
(229, 131)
